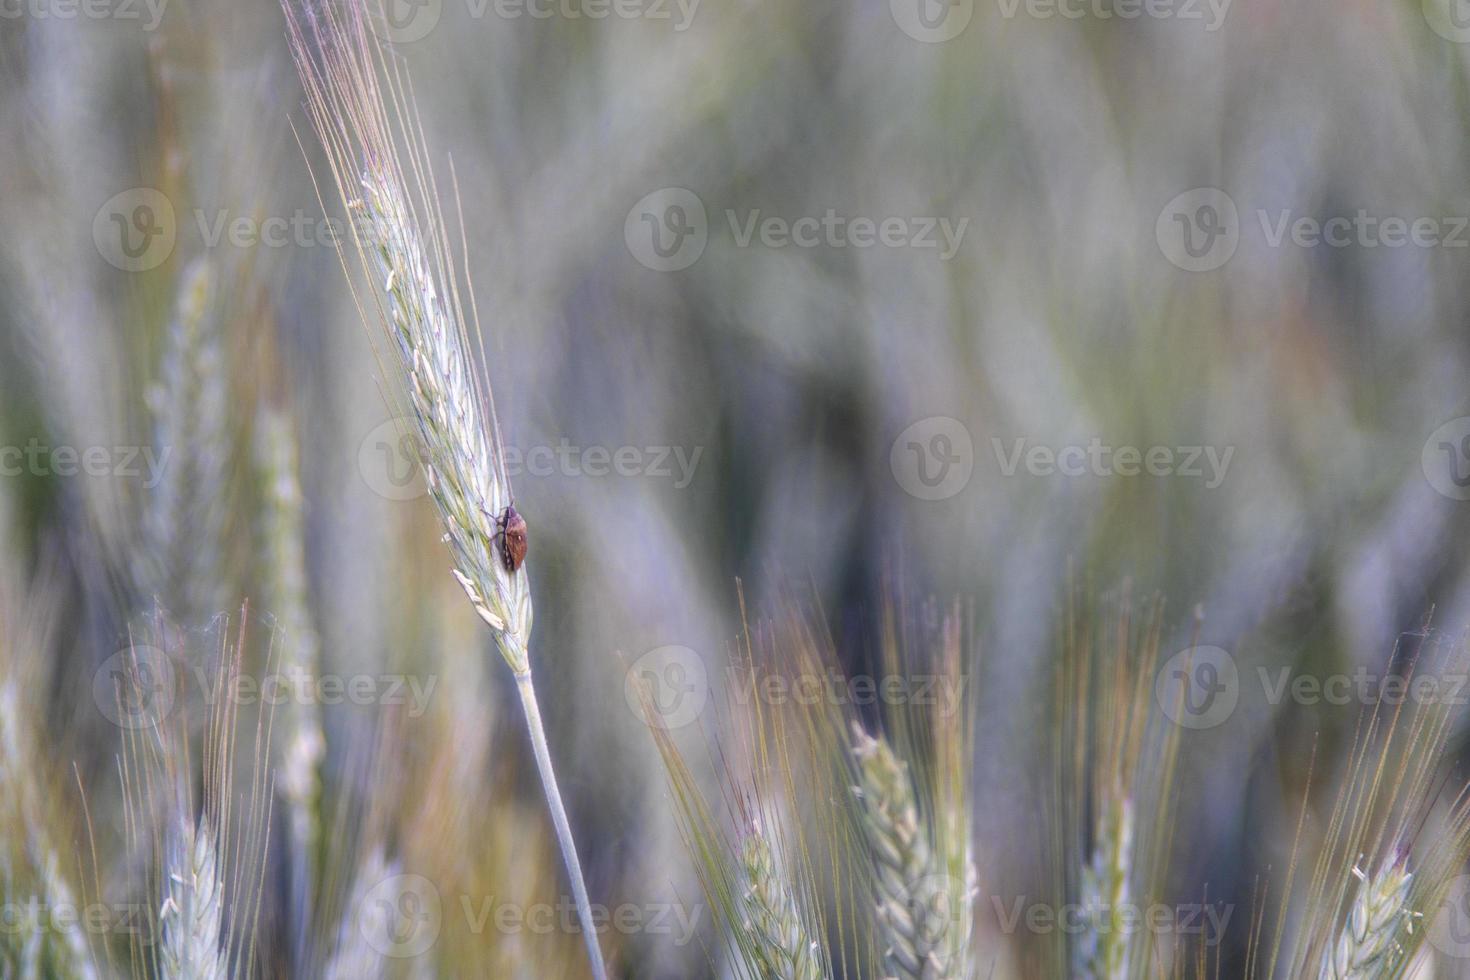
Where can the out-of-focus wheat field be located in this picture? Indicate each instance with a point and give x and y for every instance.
(786, 304)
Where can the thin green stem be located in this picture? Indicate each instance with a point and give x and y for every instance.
(559, 820)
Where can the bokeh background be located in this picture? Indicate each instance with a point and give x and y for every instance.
(811, 390)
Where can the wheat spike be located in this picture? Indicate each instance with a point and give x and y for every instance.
(182, 520)
(921, 937)
(1103, 946)
(461, 462)
(1368, 938)
(771, 917)
(418, 302)
(192, 909)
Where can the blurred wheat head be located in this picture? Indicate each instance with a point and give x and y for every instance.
(829, 855)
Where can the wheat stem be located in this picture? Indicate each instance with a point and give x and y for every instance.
(542, 752)
(304, 742)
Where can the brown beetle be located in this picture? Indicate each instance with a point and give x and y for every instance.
(513, 541)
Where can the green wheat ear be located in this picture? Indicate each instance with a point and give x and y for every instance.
(183, 518)
(366, 120)
(192, 909)
(1369, 936)
(924, 942)
(1103, 946)
(772, 919)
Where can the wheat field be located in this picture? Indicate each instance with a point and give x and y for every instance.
(912, 490)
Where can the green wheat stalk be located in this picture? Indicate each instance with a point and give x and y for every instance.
(404, 250)
(303, 743)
